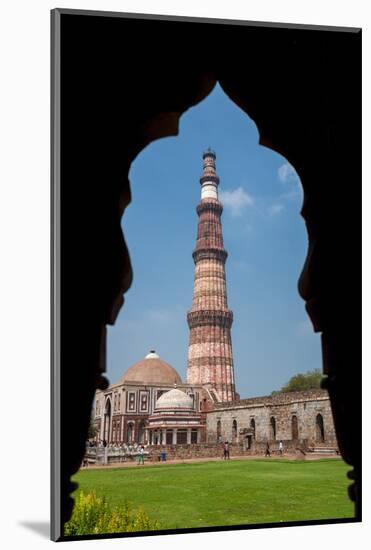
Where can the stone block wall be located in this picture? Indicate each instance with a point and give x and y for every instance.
(213, 450)
(305, 406)
(179, 452)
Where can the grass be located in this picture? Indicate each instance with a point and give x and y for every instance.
(182, 496)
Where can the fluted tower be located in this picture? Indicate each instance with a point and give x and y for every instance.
(210, 359)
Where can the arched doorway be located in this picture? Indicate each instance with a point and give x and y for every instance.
(272, 428)
(130, 433)
(156, 437)
(320, 429)
(141, 432)
(107, 421)
(234, 431)
(218, 431)
(294, 427)
(252, 426)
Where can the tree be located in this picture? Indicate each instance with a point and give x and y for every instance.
(311, 380)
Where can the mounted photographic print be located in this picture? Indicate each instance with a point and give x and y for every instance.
(206, 195)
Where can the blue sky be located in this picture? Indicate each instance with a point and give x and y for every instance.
(263, 233)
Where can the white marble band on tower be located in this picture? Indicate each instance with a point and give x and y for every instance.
(209, 190)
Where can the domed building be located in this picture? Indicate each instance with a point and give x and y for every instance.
(150, 392)
(175, 420)
(152, 370)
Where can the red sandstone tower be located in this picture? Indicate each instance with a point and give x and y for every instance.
(210, 359)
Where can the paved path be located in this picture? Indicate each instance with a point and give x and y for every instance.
(134, 464)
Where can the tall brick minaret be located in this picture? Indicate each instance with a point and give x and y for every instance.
(210, 359)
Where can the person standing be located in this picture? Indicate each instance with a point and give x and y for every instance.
(226, 450)
(280, 447)
(267, 450)
(141, 455)
(105, 459)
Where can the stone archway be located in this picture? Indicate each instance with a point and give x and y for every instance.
(253, 427)
(142, 432)
(130, 432)
(107, 421)
(294, 427)
(320, 429)
(234, 431)
(218, 431)
(272, 428)
(109, 117)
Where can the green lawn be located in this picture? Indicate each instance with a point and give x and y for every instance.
(181, 496)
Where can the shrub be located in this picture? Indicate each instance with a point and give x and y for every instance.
(94, 515)
(310, 380)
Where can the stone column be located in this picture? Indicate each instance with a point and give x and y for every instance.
(164, 436)
(174, 436)
(110, 430)
(101, 431)
(198, 435)
(122, 429)
(188, 436)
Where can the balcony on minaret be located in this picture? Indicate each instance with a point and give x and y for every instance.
(209, 179)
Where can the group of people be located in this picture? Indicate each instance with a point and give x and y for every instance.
(268, 451)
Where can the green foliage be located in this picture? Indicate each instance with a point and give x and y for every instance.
(310, 380)
(94, 515)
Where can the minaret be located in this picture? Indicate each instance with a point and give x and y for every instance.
(210, 359)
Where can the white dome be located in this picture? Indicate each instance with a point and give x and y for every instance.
(152, 355)
(174, 399)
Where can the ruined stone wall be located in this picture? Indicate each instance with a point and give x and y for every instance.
(179, 452)
(305, 406)
(213, 450)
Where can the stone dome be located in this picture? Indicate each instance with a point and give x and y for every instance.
(174, 399)
(152, 370)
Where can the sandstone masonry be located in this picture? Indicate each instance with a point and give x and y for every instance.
(210, 358)
(296, 418)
